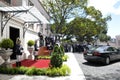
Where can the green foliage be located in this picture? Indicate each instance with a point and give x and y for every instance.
(43, 57)
(31, 71)
(23, 70)
(56, 60)
(41, 71)
(65, 57)
(7, 43)
(63, 10)
(57, 54)
(103, 37)
(58, 50)
(52, 71)
(5, 70)
(62, 71)
(65, 70)
(62, 49)
(30, 43)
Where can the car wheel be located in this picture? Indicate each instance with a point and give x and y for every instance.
(107, 60)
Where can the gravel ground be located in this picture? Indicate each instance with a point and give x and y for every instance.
(97, 71)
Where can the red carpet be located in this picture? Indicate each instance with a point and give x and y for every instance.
(37, 63)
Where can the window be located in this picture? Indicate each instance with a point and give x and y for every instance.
(31, 26)
(30, 3)
(41, 28)
(8, 1)
(110, 49)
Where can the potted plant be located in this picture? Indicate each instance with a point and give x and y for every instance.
(6, 44)
(30, 44)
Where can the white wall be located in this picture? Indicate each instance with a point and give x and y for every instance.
(29, 35)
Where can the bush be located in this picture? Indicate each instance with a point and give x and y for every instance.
(30, 43)
(7, 43)
(23, 70)
(58, 50)
(65, 57)
(41, 71)
(31, 71)
(56, 60)
(62, 71)
(43, 57)
(62, 50)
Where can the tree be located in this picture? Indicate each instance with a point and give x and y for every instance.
(90, 26)
(88, 22)
(62, 10)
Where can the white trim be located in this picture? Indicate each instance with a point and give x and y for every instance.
(30, 14)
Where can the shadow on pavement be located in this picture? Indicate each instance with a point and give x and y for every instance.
(99, 64)
(95, 64)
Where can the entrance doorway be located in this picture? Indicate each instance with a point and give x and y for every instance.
(14, 33)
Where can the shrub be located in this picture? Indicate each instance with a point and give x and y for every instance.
(7, 43)
(62, 71)
(30, 43)
(58, 50)
(56, 60)
(43, 57)
(41, 71)
(23, 70)
(52, 71)
(65, 57)
(31, 71)
(62, 50)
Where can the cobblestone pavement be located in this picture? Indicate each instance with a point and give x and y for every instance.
(97, 71)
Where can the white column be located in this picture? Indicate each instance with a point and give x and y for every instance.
(24, 2)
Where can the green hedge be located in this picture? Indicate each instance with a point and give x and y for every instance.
(64, 58)
(63, 71)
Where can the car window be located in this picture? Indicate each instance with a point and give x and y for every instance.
(102, 48)
(111, 49)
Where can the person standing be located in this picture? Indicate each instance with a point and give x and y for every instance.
(35, 50)
(18, 51)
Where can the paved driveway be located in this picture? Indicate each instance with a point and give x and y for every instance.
(97, 71)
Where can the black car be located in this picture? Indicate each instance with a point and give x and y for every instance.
(103, 54)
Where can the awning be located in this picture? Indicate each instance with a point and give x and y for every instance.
(28, 14)
(31, 14)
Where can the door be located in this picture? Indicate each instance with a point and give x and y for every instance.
(113, 53)
(14, 33)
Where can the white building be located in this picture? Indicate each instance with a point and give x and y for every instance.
(24, 19)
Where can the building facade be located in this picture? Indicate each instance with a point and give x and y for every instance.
(17, 26)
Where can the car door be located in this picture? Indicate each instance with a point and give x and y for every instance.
(112, 53)
(118, 53)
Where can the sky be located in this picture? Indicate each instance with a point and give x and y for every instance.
(109, 7)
